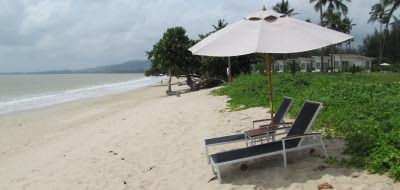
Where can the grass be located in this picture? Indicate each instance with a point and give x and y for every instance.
(364, 109)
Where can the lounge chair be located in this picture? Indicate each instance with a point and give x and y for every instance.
(278, 118)
(293, 141)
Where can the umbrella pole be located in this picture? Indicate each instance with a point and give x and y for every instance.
(269, 75)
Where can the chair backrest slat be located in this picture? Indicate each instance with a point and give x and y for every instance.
(283, 109)
(304, 120)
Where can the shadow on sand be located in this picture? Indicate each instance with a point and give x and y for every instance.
(303, 168)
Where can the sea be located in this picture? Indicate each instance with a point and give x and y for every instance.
(22, 92)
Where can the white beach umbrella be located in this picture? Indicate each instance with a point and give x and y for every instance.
(384, 64)
(267, 32)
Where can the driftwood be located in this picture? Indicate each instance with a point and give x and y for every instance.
(196, 82)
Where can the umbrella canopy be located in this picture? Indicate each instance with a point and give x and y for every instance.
(267, 32)
(384, 64)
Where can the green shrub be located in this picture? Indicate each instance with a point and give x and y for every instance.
(364, 109)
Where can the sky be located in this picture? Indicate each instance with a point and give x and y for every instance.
(37, 35)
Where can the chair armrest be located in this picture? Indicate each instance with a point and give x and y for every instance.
(277, 124)
(261, 131)
(260, 120)
(301, 136)
(279, 128)
(284, 123)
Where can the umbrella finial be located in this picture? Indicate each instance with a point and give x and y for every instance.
(264, 8)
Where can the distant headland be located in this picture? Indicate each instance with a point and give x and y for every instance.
(132, 66)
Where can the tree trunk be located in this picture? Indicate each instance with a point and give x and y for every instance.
(381, 45)
(321, 16)
(349, 45)
(385, 35)
(293, 68)
(169, 81)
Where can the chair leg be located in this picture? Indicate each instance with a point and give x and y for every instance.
(284, 160)
(218, 173)
(284, 154)
(323, 147)
(208, 158)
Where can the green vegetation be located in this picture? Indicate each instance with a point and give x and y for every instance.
(171, 55)
(383, 12)
(363, 109)
(391, 48)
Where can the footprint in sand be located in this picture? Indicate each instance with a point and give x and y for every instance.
(112, 152)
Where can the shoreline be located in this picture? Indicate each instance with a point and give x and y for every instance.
(46, 99)
(144, 139)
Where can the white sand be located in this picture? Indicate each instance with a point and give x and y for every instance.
(145, 140)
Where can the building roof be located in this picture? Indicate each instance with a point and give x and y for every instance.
(353, 56)
(305, 58)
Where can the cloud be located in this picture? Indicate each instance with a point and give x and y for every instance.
(58, 34)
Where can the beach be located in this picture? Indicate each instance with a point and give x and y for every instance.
(143, 139)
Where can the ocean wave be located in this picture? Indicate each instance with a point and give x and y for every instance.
(44, 100)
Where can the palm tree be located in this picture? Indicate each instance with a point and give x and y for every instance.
(284, 8)
(220, 25)
(336, 21)
(395, 5)
(332, 5)
(319, 6)
(333, 20)
(346, 26)
(337, 5)
(379, 13)
(334, 12)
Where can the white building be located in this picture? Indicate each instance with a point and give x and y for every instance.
(344, 62)
(334, 63)
(279, 66)
(307, 64)
(313, 64)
